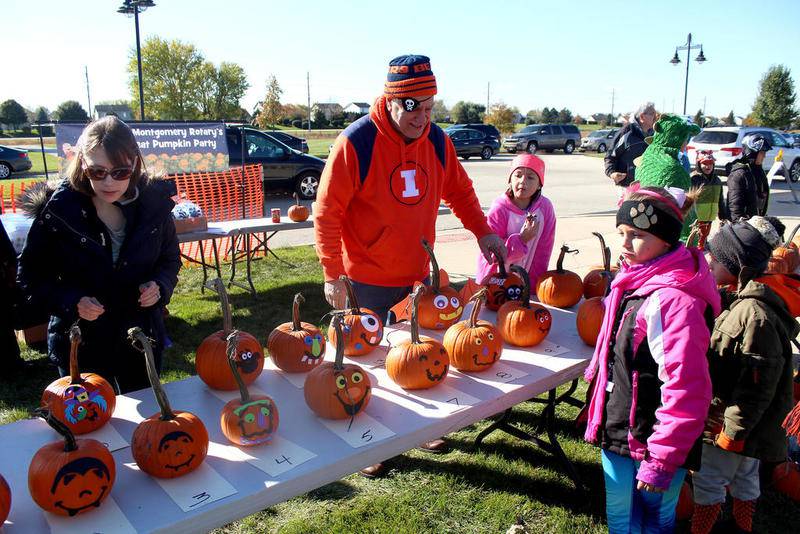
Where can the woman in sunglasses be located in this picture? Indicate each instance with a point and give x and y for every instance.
(102, 251)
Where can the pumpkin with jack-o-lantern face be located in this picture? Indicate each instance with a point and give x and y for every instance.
(439, 307)
(296, 347)
(473, 345)
(361, 327)
(523, 323)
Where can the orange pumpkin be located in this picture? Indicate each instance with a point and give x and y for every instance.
(421, 362)
(337, 390)
(521, 322)
(211, 360)
(560, 288)
(597, 281)
(439, 306)
(168, 444)
(5, 500)
(473, 345)
(70, 476)
(298, 212)
(685, 507)
(502, 286)
(252, 419)
(363, 329)
(82, 401)
(589, 319)
(785, 259)
(296, 347)
(786, 479)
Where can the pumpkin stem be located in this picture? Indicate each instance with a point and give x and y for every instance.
(69, 438)
(478, 298)
(604, 251)
(501, 267)
(434, 266)
(351, 296)
(74, 341)
(415, 296)
(225, 303)
(336, 324)
(564, 250)
(298, 300)
(232, 341)
(142, 343)
(791, 237)
(525, 298)
(296, 200)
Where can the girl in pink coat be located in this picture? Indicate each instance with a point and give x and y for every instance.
(524, 218)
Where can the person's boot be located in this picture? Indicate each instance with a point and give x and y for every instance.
(743, 512)
(704, 517)
(435, 446)
(374, 471)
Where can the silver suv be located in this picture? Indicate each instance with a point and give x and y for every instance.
(599, 140)
(547, 137)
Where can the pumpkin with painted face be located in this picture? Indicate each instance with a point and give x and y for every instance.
(251, 419)
(296, 347)
(439, 307)
(211, 360)
(82, 401)
(503, 286)
(337, 390)
(473, 345)
(5, 500)
(560, 288)
(71, 476)
(421, 362)
(168, 444)
(362, 328)
(523, 323)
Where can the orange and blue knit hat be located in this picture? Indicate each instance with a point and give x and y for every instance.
(411, 77)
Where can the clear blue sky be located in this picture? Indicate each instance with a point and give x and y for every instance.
(534, 54)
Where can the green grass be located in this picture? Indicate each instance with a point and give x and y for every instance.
(320, 147)
(467, 490)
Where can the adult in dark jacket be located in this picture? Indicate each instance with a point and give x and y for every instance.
(748, 188)
(103, 250)
(9, 349)
(629, 144)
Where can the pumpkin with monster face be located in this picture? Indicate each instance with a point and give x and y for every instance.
(169, 443)
(473, 345)
(251, 419)
(72, 476)
(503, 286)
(421, 362)
(296, 347)
(523, 323)
(337, 390)
(439, 307)
(211, 360)
(362, 328)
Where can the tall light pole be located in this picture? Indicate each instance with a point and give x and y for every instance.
(134, 7)
(675, 60)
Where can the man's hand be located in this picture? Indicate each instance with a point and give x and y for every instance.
(618, 176)
(529, 229)
(89, 308)
(149, 294)
(336, 294)
(490, 245)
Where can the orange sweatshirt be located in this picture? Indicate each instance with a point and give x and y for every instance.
(372, 211)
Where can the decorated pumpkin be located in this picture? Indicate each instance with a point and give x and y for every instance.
(296, 347)
(786, 479)
(211, 360)
(337, 390)
(251, 419)
(440, 306)
(598, 279)
(785, 259)
(82, 401)
(560, 288)
(473, 345)
(421, 362)
(168, 444)
(70, 476)
(5, 500)
(523, 323)
(362, 328)
(685, 507)
(502, 286)
(298, 212)
(589, 319)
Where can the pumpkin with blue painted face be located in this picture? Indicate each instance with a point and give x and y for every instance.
(296, 347)
(361, 327)
(439, 307)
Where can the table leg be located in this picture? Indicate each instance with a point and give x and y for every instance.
(216, 258)
(270, 251)
(249, 260)
(234, 242)
(203, 263)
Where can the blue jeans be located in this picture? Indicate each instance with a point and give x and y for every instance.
(380, 298)
(629, 510)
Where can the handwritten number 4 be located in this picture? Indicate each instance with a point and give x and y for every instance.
(283, 460)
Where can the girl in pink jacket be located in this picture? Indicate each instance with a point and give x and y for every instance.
(650, 387)
(524, 218)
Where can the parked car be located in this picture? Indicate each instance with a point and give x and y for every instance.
(547, 137)
(488, 129)
(599, 140)
(793, 138)
(297, 143)
(726, 143)
(13, 160)
(469, 142)
(280, 162)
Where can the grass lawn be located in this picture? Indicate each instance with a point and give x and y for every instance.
(467, 490)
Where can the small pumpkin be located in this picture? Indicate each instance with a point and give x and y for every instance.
(168, 444)
(502, 286)
(337, 390)
(70, 476)
(211, 359)
(786, 479)
(440, 306)
(251, 419)
(82, 401)
(473, 345)
(523, 323)
(421, 362)
(785, 258)
(298, 212)
(5, 500)
(296, 347)
(362, 328)
(560, 288)
(589, 319)
(598, 279)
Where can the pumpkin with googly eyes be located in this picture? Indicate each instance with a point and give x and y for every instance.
(296, 347)
(361, 327)
(473, 345)
(439, 307)
(523, 323)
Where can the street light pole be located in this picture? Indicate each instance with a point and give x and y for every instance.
(701, 58)
(134, 7)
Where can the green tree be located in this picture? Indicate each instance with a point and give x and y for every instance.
(730, 120)
(549, 116)
(70, 111)
(271, 110)
(564, 116)
(533, 116)
(13, 114)
(502, 117)
(219, 90)
(439, 113)
(467, 112)
(698, 118)
(775, 103)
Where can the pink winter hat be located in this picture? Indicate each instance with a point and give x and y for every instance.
(531, 162)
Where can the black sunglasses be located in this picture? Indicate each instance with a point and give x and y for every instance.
(98, 173)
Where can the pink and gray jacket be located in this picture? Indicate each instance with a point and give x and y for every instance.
(506, 220)
(651, 388)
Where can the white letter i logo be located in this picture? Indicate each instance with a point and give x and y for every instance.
(410, 189)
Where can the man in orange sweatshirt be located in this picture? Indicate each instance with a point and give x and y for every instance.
(380, 193)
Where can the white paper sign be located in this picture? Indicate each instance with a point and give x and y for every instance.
(447, 398)
(278, 456)
(298, 380)
(548, 348)
(108, 436)
(500, 372)
(227, 396)
(358, 432)
(200, 487)
(107, 519)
